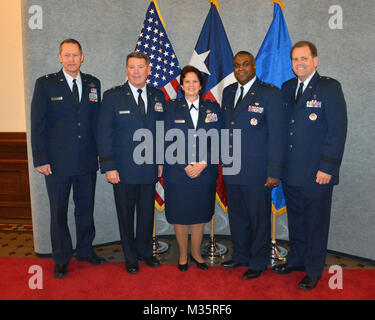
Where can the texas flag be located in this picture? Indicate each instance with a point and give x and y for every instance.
(214, 58)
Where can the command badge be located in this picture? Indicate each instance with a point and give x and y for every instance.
(253, 121)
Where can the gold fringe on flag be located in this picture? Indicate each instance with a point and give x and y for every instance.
(216, 4)
(280, 3)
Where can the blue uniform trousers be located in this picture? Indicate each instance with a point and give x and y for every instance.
(249, 212)
(127, 198)
(309, 211)
(58, 188)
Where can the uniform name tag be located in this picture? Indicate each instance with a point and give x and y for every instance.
(124, 112)
(313, 104)
(179, 121)
(56, 98)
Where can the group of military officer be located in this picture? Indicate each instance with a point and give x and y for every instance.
(295, 135)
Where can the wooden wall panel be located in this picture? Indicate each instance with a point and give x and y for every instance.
(14, 176)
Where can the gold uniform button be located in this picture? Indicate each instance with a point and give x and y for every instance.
(79, 137)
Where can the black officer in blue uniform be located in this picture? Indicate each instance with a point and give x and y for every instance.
(255, 108)
(190, 184)
(64, 117)
(317, 123)
(128, 109)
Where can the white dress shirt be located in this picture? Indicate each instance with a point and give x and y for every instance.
(246, 89)
(305, 84)
(194, 112)
(69, 80)
(136, 94)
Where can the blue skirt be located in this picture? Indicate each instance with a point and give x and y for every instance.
(189, 204)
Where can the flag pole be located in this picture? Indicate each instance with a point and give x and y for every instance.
(276, 255)
(211, 249)
(158, 247)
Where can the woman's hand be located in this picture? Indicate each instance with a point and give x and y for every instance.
(194, 169)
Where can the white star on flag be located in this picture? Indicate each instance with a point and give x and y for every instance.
(197, 60)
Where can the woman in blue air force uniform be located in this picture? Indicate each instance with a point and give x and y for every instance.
(190, 185)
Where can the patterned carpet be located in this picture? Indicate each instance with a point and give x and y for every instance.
(16, 240)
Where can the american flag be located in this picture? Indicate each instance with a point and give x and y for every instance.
(165, 69)
(153, 41)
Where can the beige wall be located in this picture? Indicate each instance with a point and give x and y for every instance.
(12, 96)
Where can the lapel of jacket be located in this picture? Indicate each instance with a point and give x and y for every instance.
(232, 96)
(249, 98)
(130, 101)
(202, 114)
(85, 90)
(186, 112)
(66, 92)
(308, 92)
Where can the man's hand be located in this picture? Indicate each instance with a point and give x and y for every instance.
(112, 176)
(194, 169)
(45, 169)
(323, 178)
(272, 182)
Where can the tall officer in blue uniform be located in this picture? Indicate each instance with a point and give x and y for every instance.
(317, 125)
(126, 109)
(64, 116)
(256, 109)
(190, 184)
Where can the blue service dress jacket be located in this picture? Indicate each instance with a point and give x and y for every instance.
(64, 133)
(210, 118)
(120, 118)
(317, 128)
(262, 120)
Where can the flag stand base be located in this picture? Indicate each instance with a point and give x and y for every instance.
(278, 253)
(159, 247)
(213, 250)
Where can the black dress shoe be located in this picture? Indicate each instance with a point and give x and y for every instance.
(150, 261)
(132, 267)
(286, 269)
(200, 265)
(183, 267)
(308, 283)
(60, 271)
(251, 274)
(231, 264)
(94, 260)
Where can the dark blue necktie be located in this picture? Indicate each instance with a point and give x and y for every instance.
(75, 91)
(141, 103)
(299, 93)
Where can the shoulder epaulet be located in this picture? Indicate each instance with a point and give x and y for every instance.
(50, 75)
(47, 77)
(91, 76)
(114, 88)
(268, 84)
